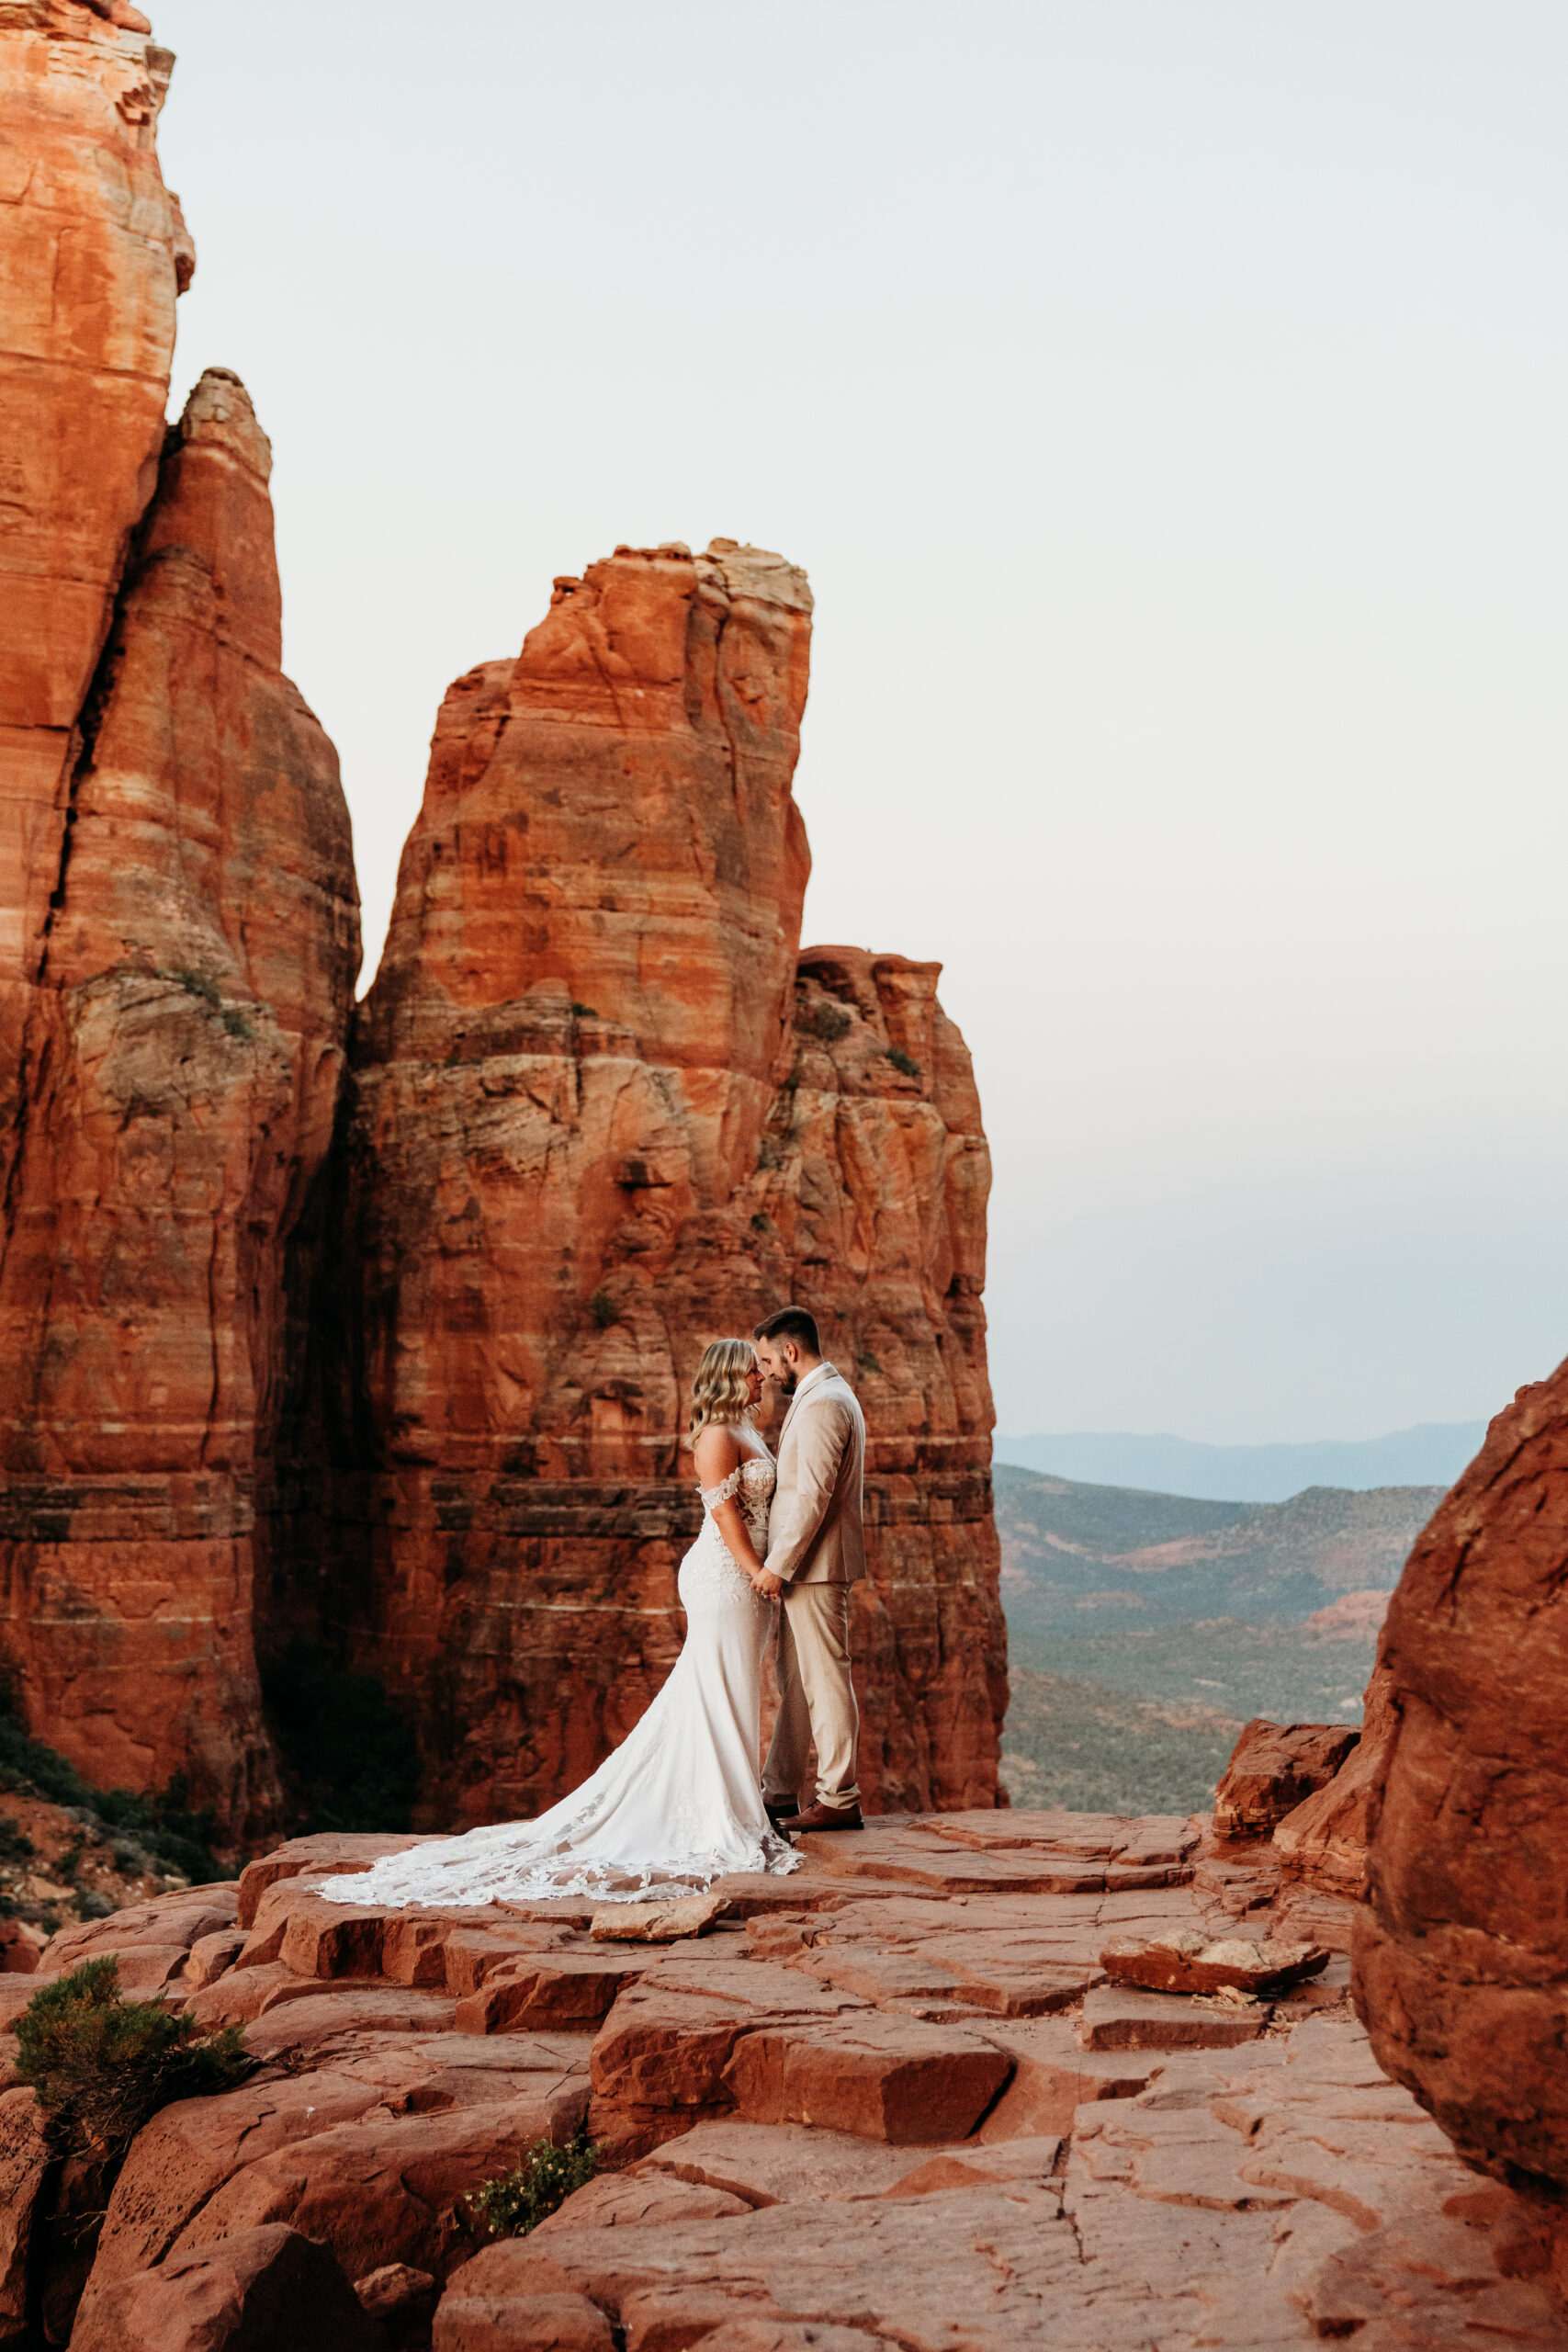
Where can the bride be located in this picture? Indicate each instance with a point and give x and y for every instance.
(680, 1802)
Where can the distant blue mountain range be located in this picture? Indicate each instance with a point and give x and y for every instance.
(1432, 1455)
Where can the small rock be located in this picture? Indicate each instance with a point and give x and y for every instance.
(401, 2299)
(659, 1923)
(1186, 1962)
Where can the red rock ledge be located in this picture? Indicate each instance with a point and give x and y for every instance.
(892, 2101)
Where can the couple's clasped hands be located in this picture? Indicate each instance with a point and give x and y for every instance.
(765, 1585)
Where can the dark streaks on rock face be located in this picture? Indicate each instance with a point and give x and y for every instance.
(399, 1361)
(601, 1111)
(187, 1049)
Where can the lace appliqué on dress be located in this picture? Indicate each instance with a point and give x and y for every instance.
(680, 1802)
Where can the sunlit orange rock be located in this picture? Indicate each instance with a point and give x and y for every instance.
(93, 254)
(602, 1112)
(188, 1052)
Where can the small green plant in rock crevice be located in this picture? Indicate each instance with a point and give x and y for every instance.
(603, 1310)
(101, 2065)
(516, 2202)
(829, 1023)
(903, 1062)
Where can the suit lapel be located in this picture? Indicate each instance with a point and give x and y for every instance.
(793, 1402)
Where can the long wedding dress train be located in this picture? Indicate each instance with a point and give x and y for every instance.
(678, 1804)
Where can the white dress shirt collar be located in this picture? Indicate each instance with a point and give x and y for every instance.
(823, 1371)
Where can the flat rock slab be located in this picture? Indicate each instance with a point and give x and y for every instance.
(957, 2272)
(783, 2163)
(1189, 1961)
(658, 1923)
(1120, 2018)
(883, 2078)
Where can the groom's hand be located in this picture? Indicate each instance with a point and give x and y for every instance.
(767, 1585)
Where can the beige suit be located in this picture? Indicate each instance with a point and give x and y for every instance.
(816, 1546)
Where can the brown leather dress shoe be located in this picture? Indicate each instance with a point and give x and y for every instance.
(825, 1817)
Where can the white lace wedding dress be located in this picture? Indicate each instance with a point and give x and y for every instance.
(678, 1804)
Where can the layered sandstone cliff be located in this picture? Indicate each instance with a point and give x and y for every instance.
(95, 253)
(600, 1114)
(1462, 1962)
(411, 1379)
(184, 1049)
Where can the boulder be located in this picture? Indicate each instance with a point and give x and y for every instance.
(1273, 1767)
(1462, 1956)
(402, 2302)
(256, 2291)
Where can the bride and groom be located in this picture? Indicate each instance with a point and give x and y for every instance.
(680, 1803)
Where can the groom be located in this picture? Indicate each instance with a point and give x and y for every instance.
(815, 1551)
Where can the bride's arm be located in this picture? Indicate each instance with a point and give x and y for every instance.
(717, 1453)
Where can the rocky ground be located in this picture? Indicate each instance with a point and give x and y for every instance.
(891, 2100)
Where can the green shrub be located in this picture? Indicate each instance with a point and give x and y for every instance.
(518, 2202)
(903, 1061)
(603, 1310)
(101, 2065)
(352, 1759)
(173, 1838)
(826, 1021)
(15, 1846)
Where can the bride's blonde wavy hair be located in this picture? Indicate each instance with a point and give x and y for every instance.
(720, 1393)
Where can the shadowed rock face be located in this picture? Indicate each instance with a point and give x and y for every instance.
(601, 1114)
(1462, 1964)
(185, 1052)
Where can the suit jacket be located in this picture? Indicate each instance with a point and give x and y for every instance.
(815, 1535)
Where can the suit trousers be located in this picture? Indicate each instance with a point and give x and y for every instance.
(817, 1697)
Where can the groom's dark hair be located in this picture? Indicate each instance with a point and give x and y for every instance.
(791, 1323)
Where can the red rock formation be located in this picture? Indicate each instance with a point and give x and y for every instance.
(95, 252)
(184, 1058)
(1324, 1840)
(599, 1116)
(1462, 1964)
(1273, 1767)
(894, 2089)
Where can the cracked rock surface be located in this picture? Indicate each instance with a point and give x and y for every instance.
(871, 2105)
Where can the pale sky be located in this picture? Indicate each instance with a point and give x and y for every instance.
(1167, 400)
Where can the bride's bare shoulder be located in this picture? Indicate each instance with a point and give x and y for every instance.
(715, 1453)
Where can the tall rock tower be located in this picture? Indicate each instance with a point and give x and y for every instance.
(179, 960)
(602, 1112)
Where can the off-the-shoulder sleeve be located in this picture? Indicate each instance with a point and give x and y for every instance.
(712, 1496)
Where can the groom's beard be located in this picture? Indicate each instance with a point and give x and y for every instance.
(786, 1382)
